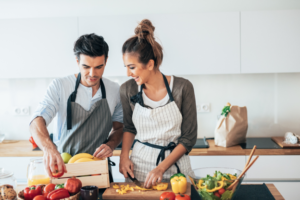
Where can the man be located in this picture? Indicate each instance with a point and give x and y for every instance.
(87, 108)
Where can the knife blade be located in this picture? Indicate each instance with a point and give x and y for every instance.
(135, 181)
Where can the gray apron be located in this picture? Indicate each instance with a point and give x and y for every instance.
(84, 131)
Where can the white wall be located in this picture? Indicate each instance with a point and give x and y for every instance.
(66, 8)
(272, 101)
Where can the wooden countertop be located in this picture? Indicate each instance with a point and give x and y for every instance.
(276, 194)
(22, 148)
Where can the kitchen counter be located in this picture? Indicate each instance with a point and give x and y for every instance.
(276, 194)
(23, 148)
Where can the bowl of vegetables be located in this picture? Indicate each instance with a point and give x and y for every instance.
(217, 183)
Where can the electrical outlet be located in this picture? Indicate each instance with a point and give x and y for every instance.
(203, 107)
(21, 110)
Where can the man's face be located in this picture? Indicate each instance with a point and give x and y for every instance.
(91, 69)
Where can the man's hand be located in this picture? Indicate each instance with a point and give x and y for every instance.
(52, 157)
(103, 151)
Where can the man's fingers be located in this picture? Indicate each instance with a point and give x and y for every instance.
(159, 180)
(99, 149)
(107, 154)
(146, 181)
(46, 164)
(65, 168)
(52, 164)
(59, 164)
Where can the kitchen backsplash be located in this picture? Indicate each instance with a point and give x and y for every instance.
(272, 100)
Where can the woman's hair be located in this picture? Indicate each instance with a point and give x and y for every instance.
(91, 45)
(143, 44)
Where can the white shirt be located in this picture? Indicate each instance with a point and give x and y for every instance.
(54, 102)
(155, 104)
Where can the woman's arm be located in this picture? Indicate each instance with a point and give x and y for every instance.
(125, 163)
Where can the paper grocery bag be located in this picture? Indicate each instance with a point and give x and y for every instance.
(232, 129)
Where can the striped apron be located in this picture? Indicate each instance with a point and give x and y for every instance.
(84, 131)
(157, 135)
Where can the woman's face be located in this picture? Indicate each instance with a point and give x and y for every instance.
(138, 71)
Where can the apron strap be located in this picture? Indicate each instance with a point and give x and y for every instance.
(72, 98)
(168, 88)
(161, 155)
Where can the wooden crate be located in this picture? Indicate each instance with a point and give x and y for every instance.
(86, 169)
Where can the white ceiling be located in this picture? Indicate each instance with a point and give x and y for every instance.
(65, 8)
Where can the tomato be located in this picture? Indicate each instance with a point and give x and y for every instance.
(221, 191)
(39, 197)
(49, 188)
(182, 197)
(217, 194)
(167, 195)
(45, 194)
(57, 174)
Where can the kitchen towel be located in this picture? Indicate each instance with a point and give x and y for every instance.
(232, 127)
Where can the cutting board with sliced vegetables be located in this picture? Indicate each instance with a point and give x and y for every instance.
(111, 193)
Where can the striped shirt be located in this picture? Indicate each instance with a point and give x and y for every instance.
(54, 102)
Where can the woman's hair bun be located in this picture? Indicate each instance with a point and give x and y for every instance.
(144, 28)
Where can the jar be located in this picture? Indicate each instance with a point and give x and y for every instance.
(7, 177)
(36, 173)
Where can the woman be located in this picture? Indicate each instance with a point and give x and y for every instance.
(159, 112)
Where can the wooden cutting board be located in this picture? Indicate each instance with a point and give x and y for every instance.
(110, 193)
(279, 141)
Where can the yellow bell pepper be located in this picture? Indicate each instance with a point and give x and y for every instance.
(160, 186)
(232, 177)
(116, 186)
(178, 183)
(216, 188)
(139, 188)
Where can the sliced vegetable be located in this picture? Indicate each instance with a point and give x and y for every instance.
(217, 194)
(160, 186)
(221, 191)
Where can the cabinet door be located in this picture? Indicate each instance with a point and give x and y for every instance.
(36, 48)
(117, 176)
(270, 41)
(275, 168)
(17, 165)
(206, 43)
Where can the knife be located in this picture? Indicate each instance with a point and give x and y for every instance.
(135, 181)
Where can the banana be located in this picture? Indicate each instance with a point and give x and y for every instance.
(84, 160)
(80, 155)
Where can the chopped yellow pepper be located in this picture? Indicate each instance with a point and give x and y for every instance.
(223, 178)
(200, 184)
(116, 186)
(139, 188)
(178, 183)
(232, 177)
(216, 188)
(160, 186)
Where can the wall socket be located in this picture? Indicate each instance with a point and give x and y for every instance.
(25, 110)
(203, 108)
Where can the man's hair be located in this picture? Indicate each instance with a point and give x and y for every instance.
(91, 45)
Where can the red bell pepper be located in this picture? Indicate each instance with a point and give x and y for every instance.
(58, 194)
(32, 191)
(32, 142)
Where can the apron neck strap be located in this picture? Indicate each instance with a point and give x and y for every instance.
(167, 87)
(72, 98)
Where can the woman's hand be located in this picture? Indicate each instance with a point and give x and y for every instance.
(153, 177)
(126, 166)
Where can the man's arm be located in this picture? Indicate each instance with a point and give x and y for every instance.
(43, 115)
(41, 137)
(114, 139)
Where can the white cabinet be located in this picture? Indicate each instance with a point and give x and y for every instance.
(275, 168)
(205, 43)
(270, 41)
(37, 48)
(118, 177)
(17, 165)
